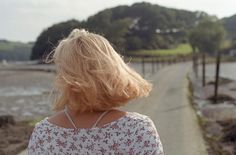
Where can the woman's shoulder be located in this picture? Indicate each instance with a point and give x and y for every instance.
(130, 119)
(136, 115)
(41, 125)
(138, 122)
(145, 135)
(139, 118)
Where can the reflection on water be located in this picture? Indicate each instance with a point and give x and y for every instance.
(16, 91)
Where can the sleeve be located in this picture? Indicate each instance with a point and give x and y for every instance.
(147, 140)
(36, 142)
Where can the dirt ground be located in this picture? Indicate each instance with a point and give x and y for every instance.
(14, 137)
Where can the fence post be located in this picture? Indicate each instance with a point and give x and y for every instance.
(143, 66)
(203, 69)
(195, 64)
(157, 65)
(193, 58)
(217, 76)
(162, 62)
(153, 65)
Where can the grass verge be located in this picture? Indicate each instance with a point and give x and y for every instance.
(181, 49)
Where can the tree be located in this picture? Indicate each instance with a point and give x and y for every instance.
(139, 26)
(233, 44)
(49, 38)
(229, 24)
(207, 36)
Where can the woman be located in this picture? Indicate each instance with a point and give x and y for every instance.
(91, 81)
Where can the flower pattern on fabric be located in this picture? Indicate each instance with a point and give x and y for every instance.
(132, 134)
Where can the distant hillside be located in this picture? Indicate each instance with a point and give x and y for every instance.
(144, 25)
(14, 51)
(128, 28)
(230, 26)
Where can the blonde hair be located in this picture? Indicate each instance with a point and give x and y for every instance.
(91, 76)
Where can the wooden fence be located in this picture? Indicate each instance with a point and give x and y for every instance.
(156, 61)
(196, 58)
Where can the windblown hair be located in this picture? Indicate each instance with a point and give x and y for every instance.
(91, 75)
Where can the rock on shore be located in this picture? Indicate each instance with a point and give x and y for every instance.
(14, 136)
(218, 120)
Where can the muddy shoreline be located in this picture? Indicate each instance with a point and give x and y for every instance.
(25, 95)
(218, 120)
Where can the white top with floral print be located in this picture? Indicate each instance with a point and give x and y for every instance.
(131, 134)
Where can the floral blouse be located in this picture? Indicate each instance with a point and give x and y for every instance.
(132, 134)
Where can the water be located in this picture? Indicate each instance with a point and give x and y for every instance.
(25, 94)
(227, 70)
(18, 91)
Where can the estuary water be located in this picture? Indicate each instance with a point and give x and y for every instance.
(227, 70)
(26, 93)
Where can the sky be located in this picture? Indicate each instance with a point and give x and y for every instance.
(24, 20)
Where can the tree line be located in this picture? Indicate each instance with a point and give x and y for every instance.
(141, 26)
(128, 28)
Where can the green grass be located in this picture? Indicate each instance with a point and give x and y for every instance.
(10, 46)
(225, 44)
(34, 121)
(15, 50)
(182, 49)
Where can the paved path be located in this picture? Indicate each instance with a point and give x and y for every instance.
(23, 152)
(173, 115)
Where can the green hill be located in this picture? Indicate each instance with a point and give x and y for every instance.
(141, 26)
(16, 51)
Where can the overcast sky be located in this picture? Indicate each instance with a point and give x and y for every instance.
(23, 20)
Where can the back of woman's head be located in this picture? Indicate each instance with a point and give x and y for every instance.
(91, 76)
